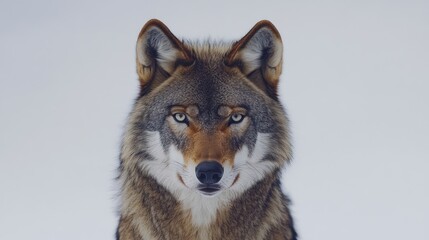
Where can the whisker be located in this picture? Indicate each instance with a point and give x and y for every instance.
(239, 167)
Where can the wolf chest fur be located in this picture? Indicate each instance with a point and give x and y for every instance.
(206, 140)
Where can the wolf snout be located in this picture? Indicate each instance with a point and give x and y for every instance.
(209, 172)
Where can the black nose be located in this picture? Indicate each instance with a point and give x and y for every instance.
(209, 172)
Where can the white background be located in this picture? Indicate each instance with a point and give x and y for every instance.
(355, 85)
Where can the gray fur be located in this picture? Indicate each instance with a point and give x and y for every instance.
(261, 212)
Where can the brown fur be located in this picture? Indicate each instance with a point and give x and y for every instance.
(151, 210)
(259, 214)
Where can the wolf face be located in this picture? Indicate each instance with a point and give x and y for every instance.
(207, 124)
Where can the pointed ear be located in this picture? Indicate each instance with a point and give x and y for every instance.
(259, 56)
(159, 53)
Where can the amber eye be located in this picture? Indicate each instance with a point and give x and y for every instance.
(180, 118)
(236, 118)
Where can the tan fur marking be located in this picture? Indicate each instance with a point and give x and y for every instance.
(213, 146)
(192, 111)
(235, 180)
(205, 147)
(224, 111)
(176, 109)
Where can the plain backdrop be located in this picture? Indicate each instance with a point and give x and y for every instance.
(355, 85)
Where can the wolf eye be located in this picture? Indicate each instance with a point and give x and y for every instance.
(180, 118)
(236, 118)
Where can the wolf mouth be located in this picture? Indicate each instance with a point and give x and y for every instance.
(209, 189)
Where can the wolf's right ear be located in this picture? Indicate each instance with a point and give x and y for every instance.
(159, 53)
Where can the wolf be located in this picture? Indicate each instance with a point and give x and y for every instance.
(206, 141)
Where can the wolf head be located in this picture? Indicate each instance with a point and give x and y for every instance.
(207, 120)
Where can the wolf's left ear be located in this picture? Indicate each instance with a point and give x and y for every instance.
(259, 56)
(159, 53)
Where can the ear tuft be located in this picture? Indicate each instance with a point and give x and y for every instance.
(158, 50)
(260, 49)
(155, 47)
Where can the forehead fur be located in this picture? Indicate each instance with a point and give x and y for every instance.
(209, 51)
